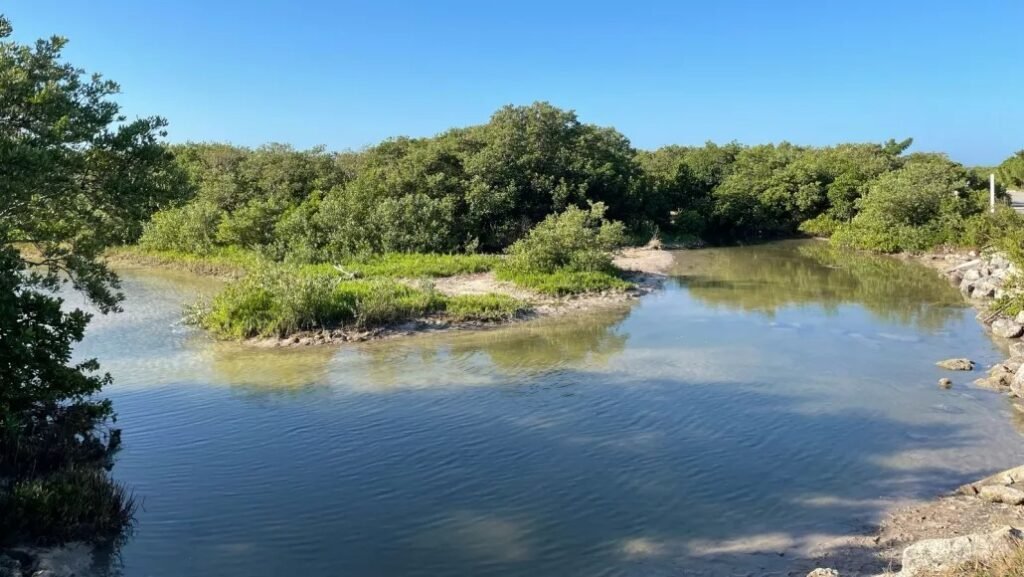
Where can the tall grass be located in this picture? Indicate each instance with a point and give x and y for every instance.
(74, 504)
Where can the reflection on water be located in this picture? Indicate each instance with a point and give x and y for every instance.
(578, 341)
(765, 278)
(773, 395)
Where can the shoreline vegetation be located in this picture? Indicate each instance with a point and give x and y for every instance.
(419, 293)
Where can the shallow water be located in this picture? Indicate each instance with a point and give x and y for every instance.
(770, 395)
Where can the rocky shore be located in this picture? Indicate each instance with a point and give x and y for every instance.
(980, 522)
(983, 280)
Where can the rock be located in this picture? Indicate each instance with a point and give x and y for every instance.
(990, 384)
(1008, 477)
(1019, 319)
(1017, 350)
(1002, 494)
(1013, 364)
(956, 364)
(984, 289)
(967, 287)
(945, 383)
(1006, 328)
(1002, 375)
(972, 274)
(823, 573)
(938, 555)
(1017, 385)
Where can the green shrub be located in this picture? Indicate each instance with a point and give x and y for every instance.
(191, 228)
(486, 307)
(823, 225)
(991, 229)
(574, 240)
(920, 206)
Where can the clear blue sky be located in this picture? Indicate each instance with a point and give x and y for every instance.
(950, 73)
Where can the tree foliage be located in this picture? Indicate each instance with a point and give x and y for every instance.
(78, 177)
(1011, 171)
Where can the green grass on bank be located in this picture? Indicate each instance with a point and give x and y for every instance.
(483, 308)
(236, 261)
(276, 301)
(225, 262)
(564, 282)
(409, 265)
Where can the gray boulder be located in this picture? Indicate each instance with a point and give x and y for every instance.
(956, 364)
(823, 573)
(1007, 328)
(967, 287)
(1002, 494)
(984, 289)
(945, 383)
(937, 555)
(972, 274)
(1019, 319)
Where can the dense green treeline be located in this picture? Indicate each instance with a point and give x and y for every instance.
(481, 188)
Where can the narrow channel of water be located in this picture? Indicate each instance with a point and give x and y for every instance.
(768, 396)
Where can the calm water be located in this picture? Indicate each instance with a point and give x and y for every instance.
(768, 396)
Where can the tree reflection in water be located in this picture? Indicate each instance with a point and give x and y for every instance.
(765, 278)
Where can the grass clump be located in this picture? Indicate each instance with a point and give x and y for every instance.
(567, 253)
(1011, 565)
(412, 265)
(280, 300)
(69, 505)
(486, 307)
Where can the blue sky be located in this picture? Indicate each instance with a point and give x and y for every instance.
(348, 74)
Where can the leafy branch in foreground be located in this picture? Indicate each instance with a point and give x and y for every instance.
(78, 177)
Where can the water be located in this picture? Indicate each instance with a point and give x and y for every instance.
(769, 396)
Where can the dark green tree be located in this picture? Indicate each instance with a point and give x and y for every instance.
(77, 177)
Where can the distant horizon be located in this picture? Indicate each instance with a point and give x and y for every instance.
(349, 76)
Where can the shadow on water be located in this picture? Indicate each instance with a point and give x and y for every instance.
(765, 278)
(630, 477)
(617, 443)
